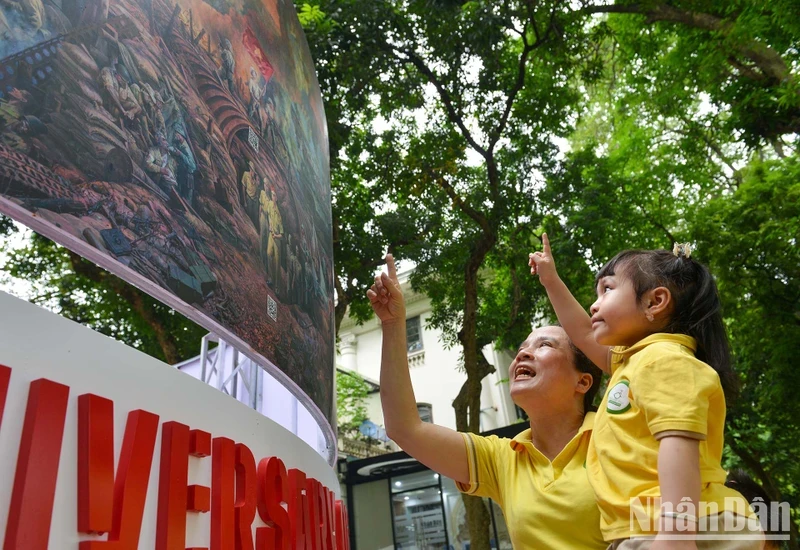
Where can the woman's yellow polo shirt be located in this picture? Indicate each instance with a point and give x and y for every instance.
(657, 386)
(547, 505)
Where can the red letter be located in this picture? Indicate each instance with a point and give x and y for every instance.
(130, 485)
(324, 525)
(199, 443)
(223, 473)
(331, 507)
(244, 510)
(199, 498)
(31, 506)
(312, 504)
(342, 527)
(273, 489)
(298, 510)
(95, 463)
(172, 487)
(5, 376)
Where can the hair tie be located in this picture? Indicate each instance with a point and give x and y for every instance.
(682, 250)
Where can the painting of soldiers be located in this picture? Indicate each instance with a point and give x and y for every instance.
(163, 125)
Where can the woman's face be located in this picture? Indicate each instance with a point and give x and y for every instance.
(543, 370)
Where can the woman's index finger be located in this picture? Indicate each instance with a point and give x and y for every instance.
(391, 268)
(546, 245)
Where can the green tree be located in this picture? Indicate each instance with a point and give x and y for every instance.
(751, 242)
(351, 410)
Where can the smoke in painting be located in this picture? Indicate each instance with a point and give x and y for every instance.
(183, 147)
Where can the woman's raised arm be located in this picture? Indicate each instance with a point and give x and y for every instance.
(440, 449)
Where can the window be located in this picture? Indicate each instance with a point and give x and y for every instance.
(425, 411)
(413, 334)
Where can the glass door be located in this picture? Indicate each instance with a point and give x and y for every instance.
(417, 512)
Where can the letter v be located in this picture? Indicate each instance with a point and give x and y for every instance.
(133, 472)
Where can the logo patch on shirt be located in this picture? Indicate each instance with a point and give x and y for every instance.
(619, 399)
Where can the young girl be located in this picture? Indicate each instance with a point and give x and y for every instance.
(654, 458)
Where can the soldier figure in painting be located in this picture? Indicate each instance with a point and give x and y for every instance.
(109, 91)
(228, 64)
(160, 165)
(249, 190)
(271, 233)
(275, 238)
(257, 88)
(186, 167)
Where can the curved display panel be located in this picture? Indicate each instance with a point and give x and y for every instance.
(105, 447)
(183, 147)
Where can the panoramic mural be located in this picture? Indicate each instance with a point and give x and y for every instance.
(181, 145)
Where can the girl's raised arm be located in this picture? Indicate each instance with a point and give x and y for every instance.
(440, 449)
(570, 313)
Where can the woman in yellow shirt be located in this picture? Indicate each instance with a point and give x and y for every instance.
(538, 478)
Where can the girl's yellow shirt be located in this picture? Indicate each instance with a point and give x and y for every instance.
(656, 386)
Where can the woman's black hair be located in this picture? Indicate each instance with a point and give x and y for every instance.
(771, 523)
(584, 364)
(697, 311)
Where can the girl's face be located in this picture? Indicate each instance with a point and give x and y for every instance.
(617, 316)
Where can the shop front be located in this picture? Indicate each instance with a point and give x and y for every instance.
(396, 502)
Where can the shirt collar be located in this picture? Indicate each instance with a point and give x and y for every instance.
(682, 339)
(524, 437)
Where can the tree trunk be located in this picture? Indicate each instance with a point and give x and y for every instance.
(467, 404)
(478, 523)
(340, 309)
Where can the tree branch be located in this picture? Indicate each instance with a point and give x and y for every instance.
(478, 217)
(767, 59)
(409, 56)
(657, 224)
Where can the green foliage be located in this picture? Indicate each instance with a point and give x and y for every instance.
(6, 226)
(310, 15)
(351, 411)
(740, 55)
(750, 239)
(313, 18)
